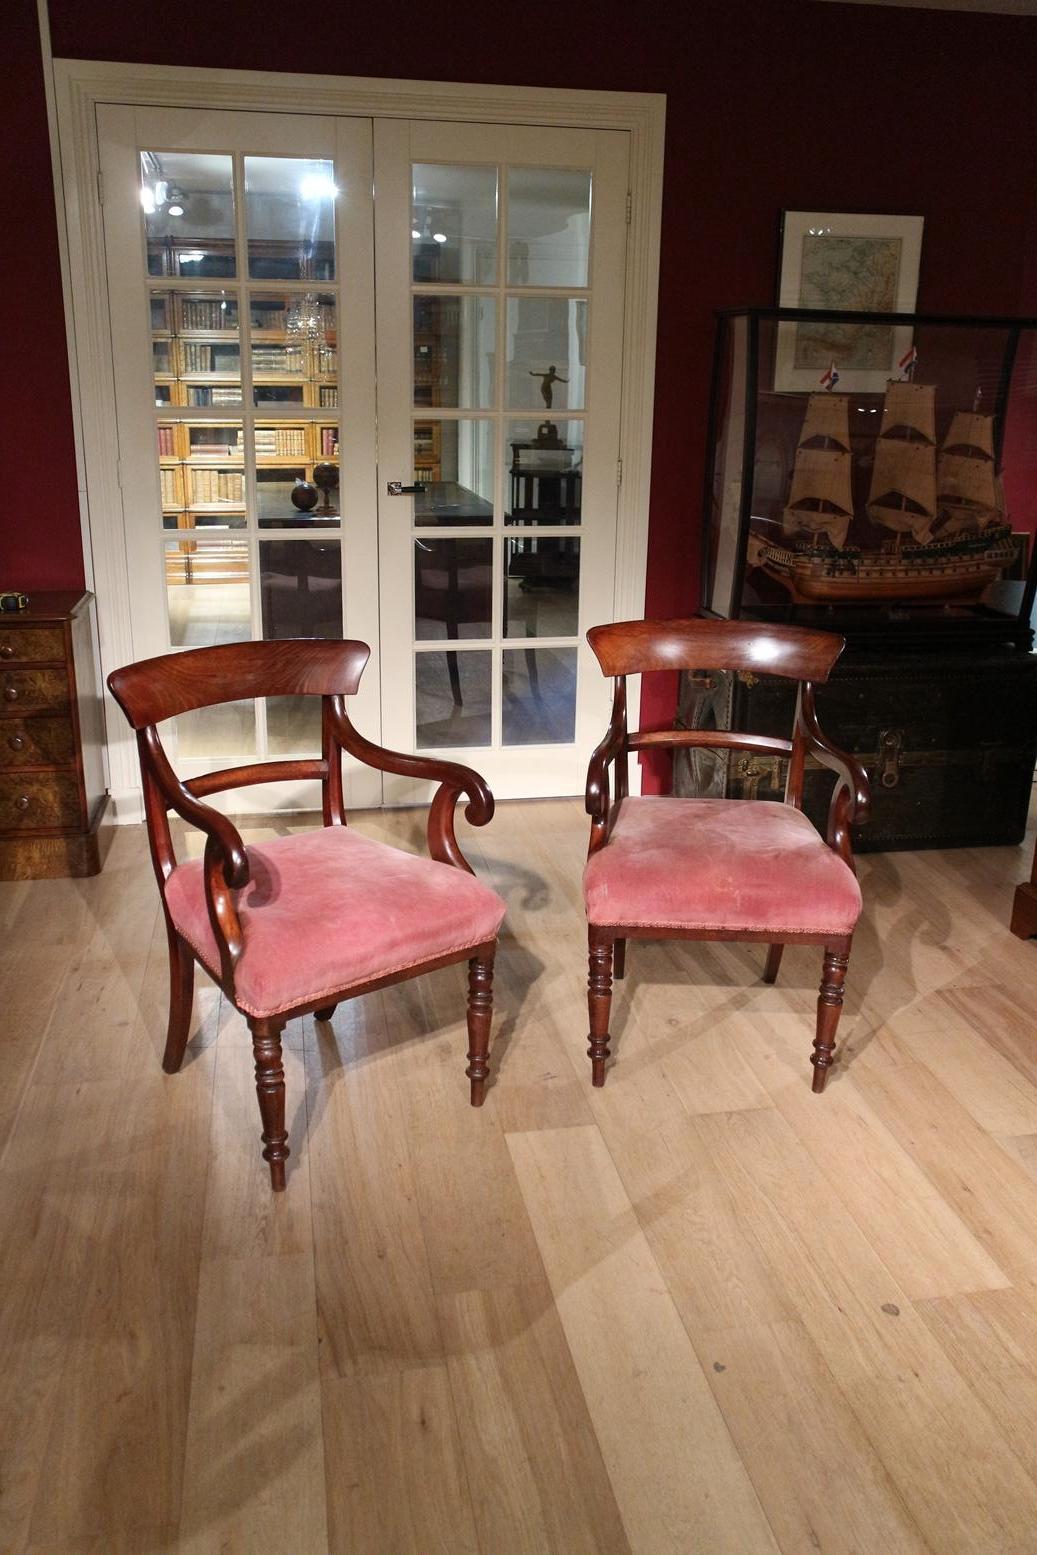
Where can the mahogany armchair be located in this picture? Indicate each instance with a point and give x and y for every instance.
(720, 869)
(296, 924)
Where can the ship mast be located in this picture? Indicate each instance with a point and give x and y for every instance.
(820, 497)
(967, 487)
(903, 481)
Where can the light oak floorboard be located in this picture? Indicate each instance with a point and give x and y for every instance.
(700, 1309)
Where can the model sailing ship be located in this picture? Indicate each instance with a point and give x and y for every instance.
(941, 512)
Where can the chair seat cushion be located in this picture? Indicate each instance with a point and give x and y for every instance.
(325, 910)
(741, 864)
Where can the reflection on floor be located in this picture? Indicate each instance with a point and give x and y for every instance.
(700, 1309)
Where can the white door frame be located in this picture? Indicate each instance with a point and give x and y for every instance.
(80, 85)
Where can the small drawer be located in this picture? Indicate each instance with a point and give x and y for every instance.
(31, 644)
(34, 690)
(33, 800)
(36, 742)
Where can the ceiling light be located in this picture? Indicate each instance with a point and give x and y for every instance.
(318, 186)
(160, 191)
(415, 234)
(176, 202)
(439, 237)
(147, 199)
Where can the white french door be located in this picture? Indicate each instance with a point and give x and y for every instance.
(500, 315)
(264, 420)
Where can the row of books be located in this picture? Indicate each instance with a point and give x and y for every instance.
(199, 314)
(329, 442)
(170, 490)
(273, 442)
(276, 359)
(217, 486)
(203, 358)
(165, 441)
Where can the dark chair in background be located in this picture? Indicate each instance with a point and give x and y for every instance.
(296, 924)
(720, 869)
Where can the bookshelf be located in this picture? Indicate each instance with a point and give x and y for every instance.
(197, 343)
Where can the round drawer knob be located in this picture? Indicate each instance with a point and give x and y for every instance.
(10, 693)
(22, 802)
(6, 651)
(16, 742)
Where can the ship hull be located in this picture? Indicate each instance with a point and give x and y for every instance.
(809, 590)
(811, 581)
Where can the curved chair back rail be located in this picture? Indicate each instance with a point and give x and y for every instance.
(634, 647)
(154, 689)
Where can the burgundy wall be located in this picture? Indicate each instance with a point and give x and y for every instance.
(40, 537)
(784, 104)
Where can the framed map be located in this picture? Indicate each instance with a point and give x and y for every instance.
(853, 263)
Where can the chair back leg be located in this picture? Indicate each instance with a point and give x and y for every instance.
(266, 1048)
(829, 1008)
(619, 959)
(480, 1015)
(770, 971)
(325, 1013)
(181, 999)
(599, 1002)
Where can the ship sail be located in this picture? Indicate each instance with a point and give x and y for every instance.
(909, 409)
(820, 497)
(967, 488)
(903, 479)
(826, 417)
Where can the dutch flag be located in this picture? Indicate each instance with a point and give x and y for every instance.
(831, 377)
(908, 362)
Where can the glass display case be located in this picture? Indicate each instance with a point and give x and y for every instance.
(873, 473)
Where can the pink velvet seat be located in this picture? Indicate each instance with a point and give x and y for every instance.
(292, 926)
(719, 869)
(325, 911)
(713, 864)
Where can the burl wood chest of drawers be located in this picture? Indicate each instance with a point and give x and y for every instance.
(52, 789)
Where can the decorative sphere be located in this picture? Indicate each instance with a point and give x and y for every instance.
(325, 476)
(305, 495)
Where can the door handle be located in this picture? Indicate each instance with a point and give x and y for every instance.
(398, 489)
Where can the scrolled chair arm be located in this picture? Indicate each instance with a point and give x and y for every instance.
(611, 745)
(851, 798)
(221, 832)
(225, 865)
(454, 780)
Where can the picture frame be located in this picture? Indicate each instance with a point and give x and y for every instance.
(847, 261)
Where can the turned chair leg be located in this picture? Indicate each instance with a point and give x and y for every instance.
(619, 959)
(181, 1000)
(266, 1048)
(480, 1014)
(829, 1008)
(599, 1005)
(326, 1013)
(770, 971)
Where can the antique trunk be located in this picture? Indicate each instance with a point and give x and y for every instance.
(949, 742)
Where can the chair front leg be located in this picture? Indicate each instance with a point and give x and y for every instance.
(599, 1000)
(266, 1048)
(829, 1008)
(181, 1000)
(480, 1015)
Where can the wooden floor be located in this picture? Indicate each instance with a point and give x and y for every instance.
(700, 1310)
